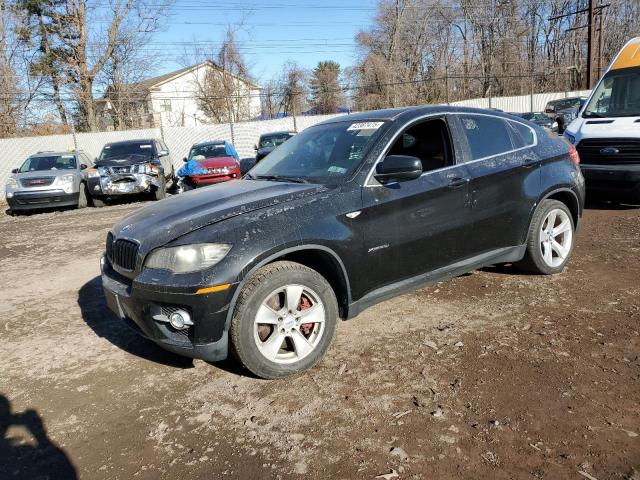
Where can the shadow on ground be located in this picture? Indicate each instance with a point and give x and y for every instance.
(105, 324)
(26, 452)
(601, 201)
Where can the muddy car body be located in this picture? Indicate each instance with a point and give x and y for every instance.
(346, 214)
(131, 167)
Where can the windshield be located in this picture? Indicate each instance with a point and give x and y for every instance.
(273, 140)
(617, 95)
(320, 154)
(51, 162)
(537, 116)
(134, 151)
(209, 151)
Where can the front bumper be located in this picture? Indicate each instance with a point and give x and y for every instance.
(26, 200)
(137, 304)
(614, 178)
(123, 184)
(202, 180)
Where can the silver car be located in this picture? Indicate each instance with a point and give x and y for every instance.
(49, 179)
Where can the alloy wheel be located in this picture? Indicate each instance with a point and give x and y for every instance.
(289, 324)
(556, 237)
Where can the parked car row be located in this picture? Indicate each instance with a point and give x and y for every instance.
(131, 167)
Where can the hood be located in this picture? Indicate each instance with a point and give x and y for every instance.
(124, 161)
(202, 167)
(218, 162)
(164, 221)
(265, 150)
(611, 127)
(44, 173)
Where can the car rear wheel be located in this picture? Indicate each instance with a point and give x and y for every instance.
(82, 196)
(284, 320)
(550, 240)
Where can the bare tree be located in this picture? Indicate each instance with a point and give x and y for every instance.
(292, 86)
(224, 91)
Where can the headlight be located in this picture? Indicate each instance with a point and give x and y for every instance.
(148, 169)
(12, 183)
(554, 125)
(188, 258)
(93, 173)
(570, 137)
(64, 179)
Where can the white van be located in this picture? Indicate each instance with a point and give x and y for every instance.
(606, 132)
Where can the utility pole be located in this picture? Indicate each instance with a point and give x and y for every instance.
(591, 40)
(592, 11)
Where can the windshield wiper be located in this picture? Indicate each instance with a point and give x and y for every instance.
(281, 178)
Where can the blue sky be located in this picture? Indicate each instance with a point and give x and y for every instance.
(270, 33)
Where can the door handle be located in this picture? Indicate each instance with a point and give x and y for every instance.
(456, 182)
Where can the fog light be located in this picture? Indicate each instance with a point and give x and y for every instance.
(9, 194)
(96, 188)
(180, 320)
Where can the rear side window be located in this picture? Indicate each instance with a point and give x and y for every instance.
(487, 135)
(523, 136)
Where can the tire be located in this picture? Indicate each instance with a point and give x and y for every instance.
(304, 343)
(160, 192)
(97, 202)
(83, 196)
(543, 256)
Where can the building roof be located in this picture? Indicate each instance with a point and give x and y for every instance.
(160, 79)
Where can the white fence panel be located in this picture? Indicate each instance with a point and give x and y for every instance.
(13, 151)
(520, 103)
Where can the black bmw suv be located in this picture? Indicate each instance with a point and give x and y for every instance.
(345, 214)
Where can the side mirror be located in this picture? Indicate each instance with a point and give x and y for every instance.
(95, 159)
(550, 109)
(163, 153)
(15, 170)
(185, 159)
(83, 166)
(398, 168)
(255, 147)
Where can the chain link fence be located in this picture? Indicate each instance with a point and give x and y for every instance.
(244, 135)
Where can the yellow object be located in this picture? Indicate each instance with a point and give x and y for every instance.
(629, 56)
(215, 288)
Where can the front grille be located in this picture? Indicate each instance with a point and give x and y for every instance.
(122, 253)
(37, 181)
(609, 151)
(117, 170)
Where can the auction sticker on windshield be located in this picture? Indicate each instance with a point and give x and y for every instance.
(365, 126)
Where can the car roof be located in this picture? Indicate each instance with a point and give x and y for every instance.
(409, 113)
(281, 132)
(209, 142)
(128, 142)
(48, 153)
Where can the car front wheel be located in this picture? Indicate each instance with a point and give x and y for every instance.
(550, 240)
(284, 320)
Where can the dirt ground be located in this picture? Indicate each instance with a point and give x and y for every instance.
(495, 374)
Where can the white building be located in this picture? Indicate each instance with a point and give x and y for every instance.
(191, 96)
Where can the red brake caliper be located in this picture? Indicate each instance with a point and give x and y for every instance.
(305, 328)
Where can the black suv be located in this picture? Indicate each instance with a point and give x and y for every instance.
(345, 214)
(131, 167)
(564, 111)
